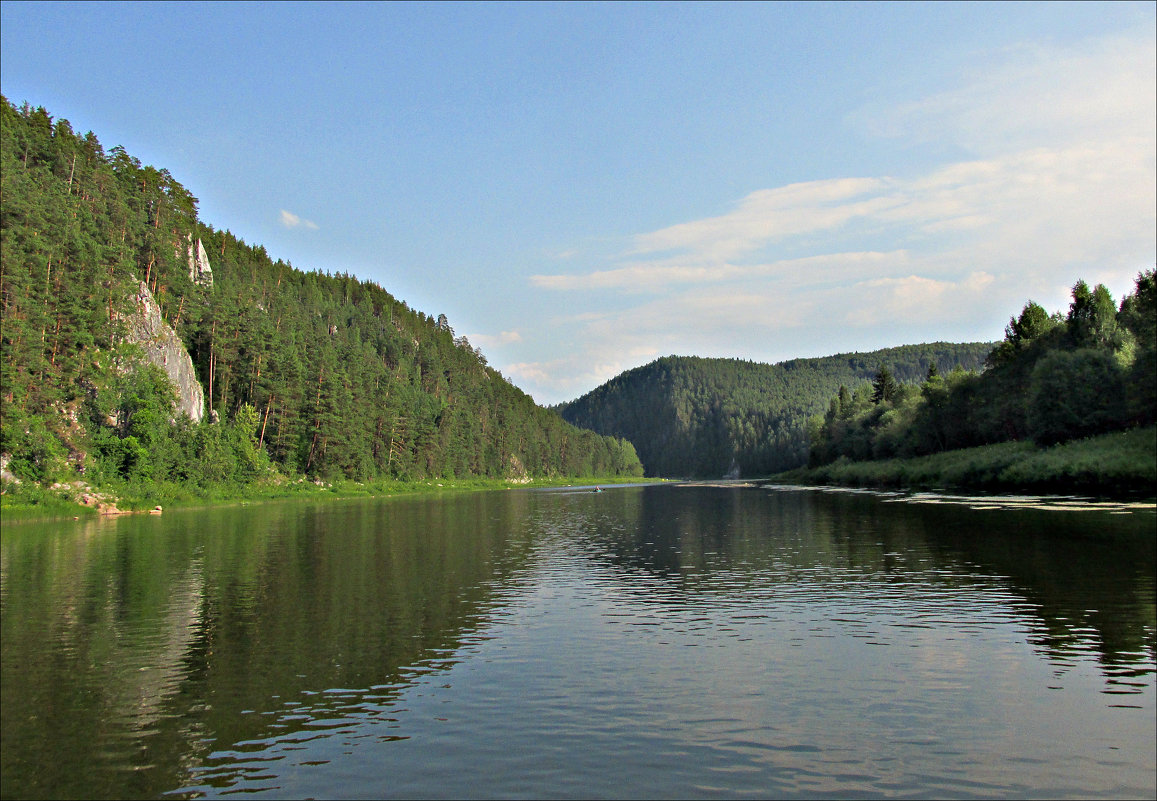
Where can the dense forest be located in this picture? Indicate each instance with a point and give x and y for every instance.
(697, 417)
(1054, 378)
(305, 373)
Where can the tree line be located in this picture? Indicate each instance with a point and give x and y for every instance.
(310, 373)
(697, 417)
(1055, 377)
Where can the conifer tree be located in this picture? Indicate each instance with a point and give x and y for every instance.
(884, 386)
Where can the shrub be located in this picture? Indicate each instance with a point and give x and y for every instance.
(1075, 394)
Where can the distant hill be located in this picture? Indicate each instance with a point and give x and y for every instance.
(694, 417)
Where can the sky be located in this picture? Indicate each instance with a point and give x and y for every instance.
(582, 188)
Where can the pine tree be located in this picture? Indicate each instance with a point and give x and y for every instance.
(884, 386)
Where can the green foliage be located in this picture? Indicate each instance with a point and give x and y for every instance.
(1021, 332)
(145, 428)
(1110, 464)
(1092, 319)
(1115, 464)
(31, 500)
(884, 386)
(1052, 379)
(36, 453)
(1138, 316)
(690, 416)
(1075, 394)
(311, 373)
(1139, 310)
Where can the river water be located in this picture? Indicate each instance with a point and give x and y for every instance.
(663, 641)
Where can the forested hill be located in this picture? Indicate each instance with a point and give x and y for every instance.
(307, 373)
(696, 417)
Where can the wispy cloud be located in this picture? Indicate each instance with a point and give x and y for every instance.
(915, 298)
(291, 220)
(491, 340)
(569, 376)
(656, 275)
(1051, 209)
(770, 215)
(1033, 93)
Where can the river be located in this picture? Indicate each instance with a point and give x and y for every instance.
(661, 641)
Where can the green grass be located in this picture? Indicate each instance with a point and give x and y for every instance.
(1123, 463)
(33, 502)
(25, 501)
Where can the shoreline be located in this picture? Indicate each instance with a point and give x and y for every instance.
(65, 501)
(1120, 465)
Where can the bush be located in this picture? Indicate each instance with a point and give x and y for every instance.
(1075, 394)
(37, 454)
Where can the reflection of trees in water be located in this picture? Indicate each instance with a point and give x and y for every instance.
(1089, 577)
(1086, 578)
(172, 639)
(96, 631)
(232, 630)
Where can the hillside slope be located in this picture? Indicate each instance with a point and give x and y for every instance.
(310, 373)
(694, 417)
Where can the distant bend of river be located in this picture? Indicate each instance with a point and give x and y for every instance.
(646, 641)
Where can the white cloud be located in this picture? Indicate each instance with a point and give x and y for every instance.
(568, 377)
(1023, 96)
(291, 220)
(769, 215)
(491, 340)
(1047, 209)
(662, 274)
(915, 298)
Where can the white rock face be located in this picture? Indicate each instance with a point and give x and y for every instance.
(165, 349)
(199, 270)
(5, 473)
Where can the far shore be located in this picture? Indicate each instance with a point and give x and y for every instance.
(1122, 464)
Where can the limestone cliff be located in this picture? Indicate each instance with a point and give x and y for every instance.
(199, 270)
(162, 347)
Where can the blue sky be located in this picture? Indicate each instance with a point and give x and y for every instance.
(582, 188)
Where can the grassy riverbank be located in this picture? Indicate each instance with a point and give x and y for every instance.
(1117, 464)
(31, 501)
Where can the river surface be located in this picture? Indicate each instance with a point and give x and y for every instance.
(665, 641)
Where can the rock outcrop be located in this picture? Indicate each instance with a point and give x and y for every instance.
(5, 473)
(199, 270)
(162, 347)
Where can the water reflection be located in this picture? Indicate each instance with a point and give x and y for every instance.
(702, 631)
(136, 647)
(1086, 582)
